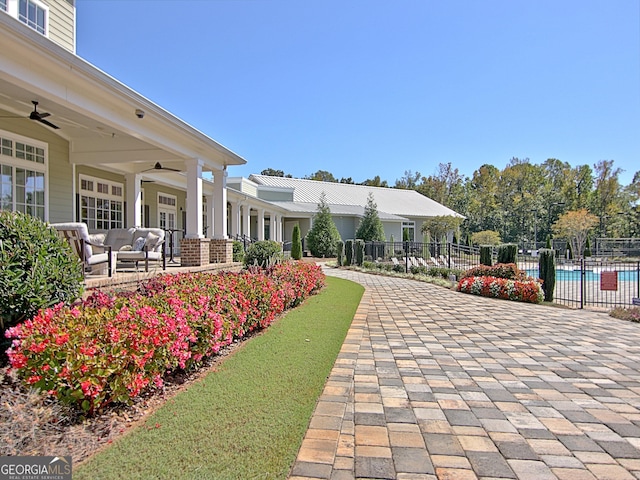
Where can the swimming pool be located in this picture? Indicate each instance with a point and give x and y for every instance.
(590, 275)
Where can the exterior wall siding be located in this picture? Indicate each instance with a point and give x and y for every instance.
(62, 18)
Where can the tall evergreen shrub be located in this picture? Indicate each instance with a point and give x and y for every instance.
(359, 251)
(485, 255)
(587, 249)
(507, 253)
(296, 243)
(340, 253)
(547, 272)
(348, 252)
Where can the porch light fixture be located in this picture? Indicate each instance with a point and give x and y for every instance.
(139, 113)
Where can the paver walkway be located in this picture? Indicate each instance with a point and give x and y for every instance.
(432, 383)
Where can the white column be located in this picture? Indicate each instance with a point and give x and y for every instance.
(220, 204)
(261, 224)
(210, 216)
(246, 220)
(235, 219)
(134, 199)
(194, 198)
(277, 236)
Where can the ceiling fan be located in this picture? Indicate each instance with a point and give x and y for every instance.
(39, 116)
(158, 166)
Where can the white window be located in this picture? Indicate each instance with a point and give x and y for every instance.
(101, 203)
(33, 14)
(408, 231)
(167, 212)
(23, 169)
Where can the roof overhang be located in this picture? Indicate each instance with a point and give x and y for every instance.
(97, 114)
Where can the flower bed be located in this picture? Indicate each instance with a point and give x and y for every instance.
(112, 348)
(520, 290)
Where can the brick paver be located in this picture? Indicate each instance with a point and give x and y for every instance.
(434, 384)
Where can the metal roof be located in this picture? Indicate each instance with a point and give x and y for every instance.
(391, 201)
(349, 210)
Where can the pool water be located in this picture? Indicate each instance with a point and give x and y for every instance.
(590, 275)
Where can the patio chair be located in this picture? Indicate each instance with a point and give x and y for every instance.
(436, 262)
(395, 262)
(422, 262)
(77, 234)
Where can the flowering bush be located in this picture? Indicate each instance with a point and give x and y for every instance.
(499, 270)
(520, 290)
(112, 348)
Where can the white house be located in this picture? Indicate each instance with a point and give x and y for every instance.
(290, 201)
(92, 149)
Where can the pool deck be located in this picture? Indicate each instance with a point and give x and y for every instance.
(434, 384)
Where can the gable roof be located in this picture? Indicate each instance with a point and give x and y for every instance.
(391, 201)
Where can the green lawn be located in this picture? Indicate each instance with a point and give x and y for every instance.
(247, 419)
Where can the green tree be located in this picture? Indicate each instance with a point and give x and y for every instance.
(607, 198)
(274, 173)
(409, 181)
(322, 176)
(441, 225)
(323, 237)
(486, 237)
(296, 243)
(375, 182)
(446, 187)
(371, 228)
(483, 211)
(575, 227)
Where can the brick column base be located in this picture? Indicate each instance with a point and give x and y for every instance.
(194, 252)
(221, 251)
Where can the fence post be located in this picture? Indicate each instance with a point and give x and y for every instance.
(638, 278)
(406, 257)
(583, 274)
(448, 255)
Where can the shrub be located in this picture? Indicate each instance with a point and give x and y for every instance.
(523, 291)
(485, 255)
(340, 253)
(547, 272)
(38, 269)
(507, 253)
(238, 251)
(112, 348)
(263, 253)
(499, 270)
(359, 251)
(296, 243)
(348, 252)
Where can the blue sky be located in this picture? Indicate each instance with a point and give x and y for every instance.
(377, 87)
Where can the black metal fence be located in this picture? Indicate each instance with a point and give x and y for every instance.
(431, 254)
(591, 282)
